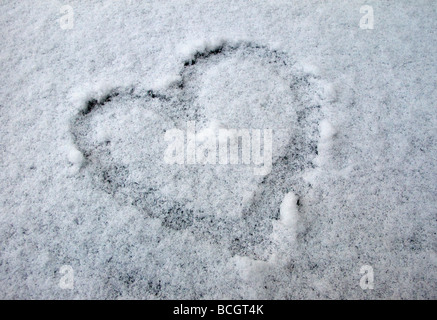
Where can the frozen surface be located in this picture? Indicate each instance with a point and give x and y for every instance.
(87, 115)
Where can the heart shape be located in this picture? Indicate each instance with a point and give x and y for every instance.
(231, 86)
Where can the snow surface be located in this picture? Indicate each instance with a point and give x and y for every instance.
(85, 111)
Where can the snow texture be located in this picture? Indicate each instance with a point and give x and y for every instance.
(88, 114)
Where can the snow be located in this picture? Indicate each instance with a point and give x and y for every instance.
(289, 211)
(86, 117)
(75, 156)
(327, 131)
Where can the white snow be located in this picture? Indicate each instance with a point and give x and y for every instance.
(289, 211)
(327, 131)
(75, 157)
(84, 183)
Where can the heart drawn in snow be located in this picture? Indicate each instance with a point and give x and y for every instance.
(126, 136)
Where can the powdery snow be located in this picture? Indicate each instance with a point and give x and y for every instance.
(84, 181)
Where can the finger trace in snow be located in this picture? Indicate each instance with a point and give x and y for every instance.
(241, 86)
